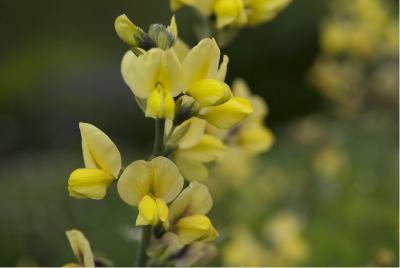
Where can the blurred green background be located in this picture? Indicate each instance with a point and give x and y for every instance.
(60, 64)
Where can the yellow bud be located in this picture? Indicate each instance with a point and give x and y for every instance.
(229, 114)
(89, 183)
(152, 211)
(208, 92)
(160, 104)
(131, 34)
(195, 228)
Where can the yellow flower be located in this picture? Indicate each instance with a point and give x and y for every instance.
(81, 248)
(195, 150)
(230, 12)
(203, 76)
(261, 11)
(154, 76)
(202, 6)
(187, 215)
(253, 136)
(150, 186)
(102, 164)
(245, 250)
(228, 114)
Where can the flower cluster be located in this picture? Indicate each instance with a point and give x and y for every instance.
(197, 117)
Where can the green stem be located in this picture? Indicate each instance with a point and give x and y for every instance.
(159, 137)
(142, 255)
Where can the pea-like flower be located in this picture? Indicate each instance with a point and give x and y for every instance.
(150, 185)
(187, 215)
(253, 136)
(81, 248)
(102, 164)
(203, 76)
(154, 76)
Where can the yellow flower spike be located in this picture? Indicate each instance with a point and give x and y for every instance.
(128, 32)
(81, 248)
(102, 161)
(209, 92)
(229, 12)
(89, 183)
(195, 228)
(150, 185)
(201, 62)
(160, 104)
(229, 114)
(99, 151)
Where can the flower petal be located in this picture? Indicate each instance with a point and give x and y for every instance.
(167, 181)
(191, 170)
(99, 151)
(195, 228)
(89, 183)
(135, 182)
(208, 92)
(181, 49)
(141, 73)
(171, 72)
(256, 138)
(229, 114)
(201, 62)
(194, 200)
(81, 248)
(221, 74)
(194, 134)
(160, 104)
(148, 212)
(208, 149)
